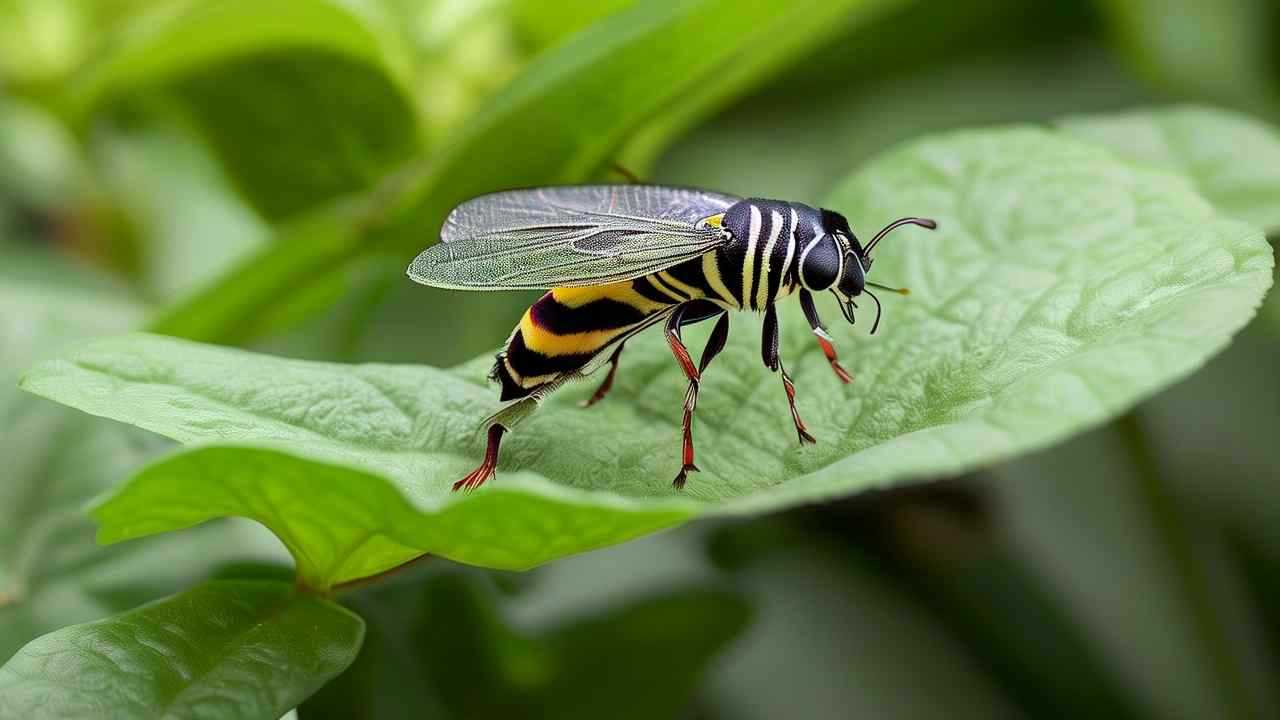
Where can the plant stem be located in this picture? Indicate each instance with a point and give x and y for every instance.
(1175, 534)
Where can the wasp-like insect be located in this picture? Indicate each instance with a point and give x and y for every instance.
(619, 258)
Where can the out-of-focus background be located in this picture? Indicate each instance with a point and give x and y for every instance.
(1064, 584)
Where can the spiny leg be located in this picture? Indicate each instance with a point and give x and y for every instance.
(489, 466)
(824, 340)
(681, 353)
(715, 343)
(608, 379)
(773, 361)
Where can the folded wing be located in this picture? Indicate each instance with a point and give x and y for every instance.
(570, 236)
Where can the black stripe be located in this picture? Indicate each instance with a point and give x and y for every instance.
(647, 290)
(603, 314)
(729, 263)
(510, 388)
(785, 238)
(690, 273)
(531, 363)
(665, 286)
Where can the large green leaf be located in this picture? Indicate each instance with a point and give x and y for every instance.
(1233, 159)
(1063, 286)
(301, 99)
(227, 649)
(562, 120)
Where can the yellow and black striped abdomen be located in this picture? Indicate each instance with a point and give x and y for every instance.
(568, 328)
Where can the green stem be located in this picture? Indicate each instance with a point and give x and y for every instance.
(1175, 534)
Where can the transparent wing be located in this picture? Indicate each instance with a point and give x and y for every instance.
(569, 236)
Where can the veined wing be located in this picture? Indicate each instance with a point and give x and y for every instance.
(569, 236)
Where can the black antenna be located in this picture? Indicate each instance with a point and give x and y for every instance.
(922, 222)
(876, 324)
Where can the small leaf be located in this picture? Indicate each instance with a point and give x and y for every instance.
(1233, 159)
(300, 99)
(1063, 287)
(633, 65)
(228, 649)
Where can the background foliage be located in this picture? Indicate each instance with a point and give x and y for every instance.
(257, 175)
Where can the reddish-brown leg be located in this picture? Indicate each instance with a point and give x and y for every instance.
(773, 361)
(824, 340)
(681, 354)
(790, 387)
(715, 343)
(830, 351)
(489, 466)
(607, 385)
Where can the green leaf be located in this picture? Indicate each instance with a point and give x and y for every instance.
(51, 574)
(1222, 50)
(1232, 159)
(194, 225)
(1063, 286)
(631, 66)
(478, 665)
(301, 99)
(228, 649)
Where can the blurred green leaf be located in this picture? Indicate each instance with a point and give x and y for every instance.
(835, 639)
(1222, 51)
(1233, 159)
(1063, 287)
(194, 226)
(302, 100)
(772, 151)
(51, 574)
(227, 649)
(475, 665)
(632, 65)
(40, 40)
(1079, 514)
(543, 25)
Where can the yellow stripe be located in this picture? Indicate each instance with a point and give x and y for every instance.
(688, 290)
(622, 292)
(711, 272)
(548, 343)
(762, 295)
(662, 288)
(749, 261)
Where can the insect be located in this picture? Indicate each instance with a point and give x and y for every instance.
(621, 258)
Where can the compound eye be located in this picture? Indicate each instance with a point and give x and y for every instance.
(820, 266)
(854, 279)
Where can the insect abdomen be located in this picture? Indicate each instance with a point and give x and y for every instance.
(568, 328)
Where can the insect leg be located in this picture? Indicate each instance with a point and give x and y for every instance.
(773, 361)
(820, 332)
(681, 353)
(715, 343)
(608, 379)
(489, 466)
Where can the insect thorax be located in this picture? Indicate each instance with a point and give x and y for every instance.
(758, 264)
